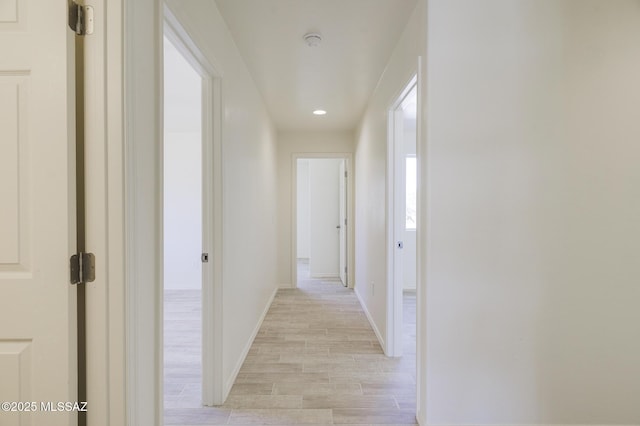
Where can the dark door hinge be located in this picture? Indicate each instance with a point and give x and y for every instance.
(80, 18)
(83, 268)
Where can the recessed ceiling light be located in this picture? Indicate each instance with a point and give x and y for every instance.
(319, 112)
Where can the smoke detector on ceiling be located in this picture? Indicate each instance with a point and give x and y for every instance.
(312, 39)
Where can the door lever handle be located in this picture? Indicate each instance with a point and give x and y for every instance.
(338, 227)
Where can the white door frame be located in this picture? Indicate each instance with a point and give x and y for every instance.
(422, 229)
(348, 157)
(395, 222)
(343, 222)
(143, 28)
(211, 209)
(394, 297)
(144, 22)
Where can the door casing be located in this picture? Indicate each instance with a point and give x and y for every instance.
(212, 383)
(343, 223)
(144, 26)
(137, 24)
(348, 157)
(395, 222)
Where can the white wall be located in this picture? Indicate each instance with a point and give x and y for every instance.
(324, 175)
(289, 143)
(371, 178)
(182, 183)
(409, 255)
(249, 182)
(182, 210)
(303, 209)
(409, 260)
(533, 208)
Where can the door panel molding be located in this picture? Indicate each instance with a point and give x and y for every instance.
(38, 356)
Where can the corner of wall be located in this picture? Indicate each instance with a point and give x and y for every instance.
(228, 384)
(371, 321)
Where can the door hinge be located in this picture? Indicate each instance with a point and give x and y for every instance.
(80, 18)
(345, 174)
(83, 268)
(205, 257)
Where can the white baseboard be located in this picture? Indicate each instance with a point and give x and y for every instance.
(370, 318)
(325, 275)
(285, 285)
(229, 384)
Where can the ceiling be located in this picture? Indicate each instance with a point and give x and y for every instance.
(338, 76)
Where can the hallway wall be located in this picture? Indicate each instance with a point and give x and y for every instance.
(249, 183)
(290, 142)
(371, 177)
(533, 207)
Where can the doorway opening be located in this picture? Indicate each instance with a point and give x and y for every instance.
(321, 231)
(402, 228)
(321, 219)
(182, 231)
(192, 226)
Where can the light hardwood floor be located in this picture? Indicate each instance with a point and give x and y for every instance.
(315, 360)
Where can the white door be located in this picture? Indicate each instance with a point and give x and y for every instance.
(343, 223)
(37, 211)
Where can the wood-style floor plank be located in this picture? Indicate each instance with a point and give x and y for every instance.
(315, 360)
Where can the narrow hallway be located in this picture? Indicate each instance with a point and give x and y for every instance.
(315, 360)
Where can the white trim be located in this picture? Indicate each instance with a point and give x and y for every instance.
(212, 368)
(329, 275)
(348, 157)
(395, 220)
(370, 319)
(422, 232)
(143, 210)
(247, 346)
(144, 23)
(115, 226)
(178, 35)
